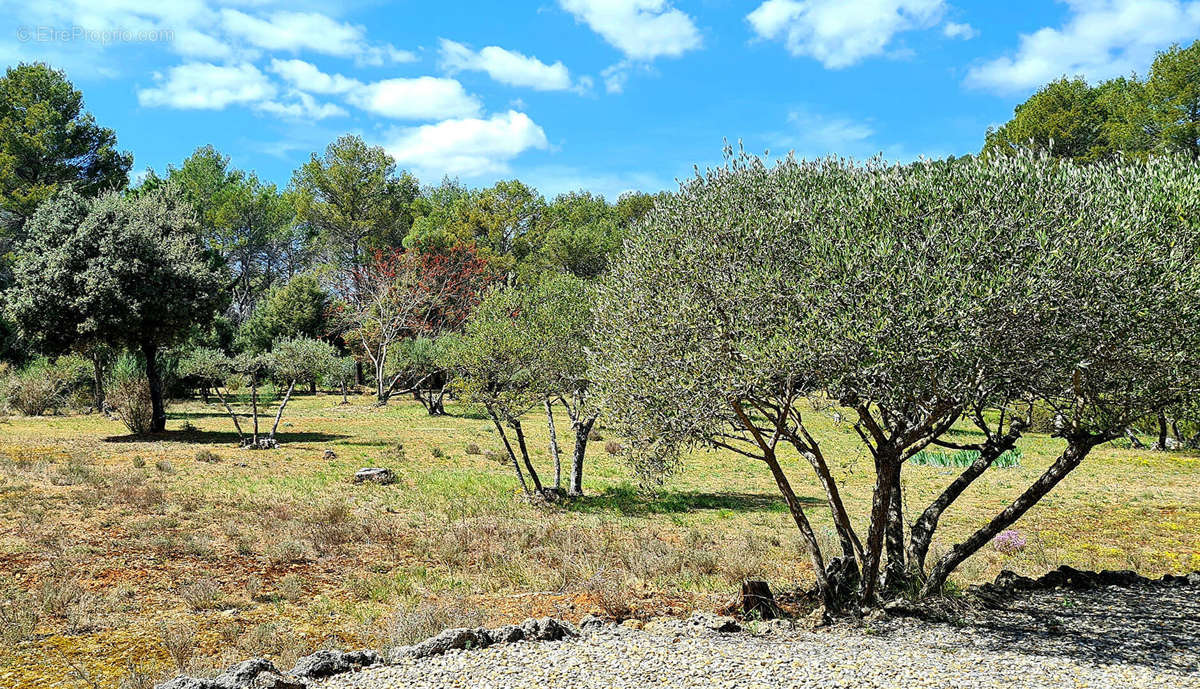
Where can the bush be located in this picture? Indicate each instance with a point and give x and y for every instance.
(964, 458)
(129, 395)
(40, 387)
(208, 456)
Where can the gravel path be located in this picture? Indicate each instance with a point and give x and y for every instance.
(1140, 637)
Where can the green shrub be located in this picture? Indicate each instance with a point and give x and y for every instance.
(129, 395)
(42, 386)
(963, 458)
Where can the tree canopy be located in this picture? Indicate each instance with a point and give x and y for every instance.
(126, 270)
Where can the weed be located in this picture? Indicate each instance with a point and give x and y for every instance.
(207, 456)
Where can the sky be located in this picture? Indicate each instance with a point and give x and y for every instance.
(604, 95)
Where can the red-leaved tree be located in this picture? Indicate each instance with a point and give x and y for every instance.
(401, 294)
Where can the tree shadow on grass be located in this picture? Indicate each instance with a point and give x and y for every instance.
(629, 501)
(219, 437)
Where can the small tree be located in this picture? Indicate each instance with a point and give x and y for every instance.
(290, 361)
(524, 347)
(420, 362)
(404, 294)
(341, 374)
(493, 367)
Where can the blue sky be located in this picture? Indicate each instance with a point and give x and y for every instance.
(607, 95)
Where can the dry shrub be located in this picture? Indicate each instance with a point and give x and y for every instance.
(132, 489)
(428, 618)
(613, 592)
(202, 594)
(286, 552)
(254, 587)
(330, 527)
(180, 641)
(207, 456)
(129, 398)
(19, 615)
(291, 588)
(34, 391)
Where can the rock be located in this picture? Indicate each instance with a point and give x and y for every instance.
(818, 618)
(591, 622)
(716, 623)
(260, 444)
(326, 663)
(182, 682)
(330, 454)
(507, 634)
(547, 629)
(374, 475)
(449, 640)
(274, 680)
(256, 673)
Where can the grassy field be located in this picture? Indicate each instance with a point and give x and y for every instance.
(123, 561)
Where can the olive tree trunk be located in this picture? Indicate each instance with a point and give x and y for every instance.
(583, 429)
(1077, 449)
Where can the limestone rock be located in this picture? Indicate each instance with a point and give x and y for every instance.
(374, 475)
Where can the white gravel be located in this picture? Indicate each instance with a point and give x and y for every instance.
(1141, 637)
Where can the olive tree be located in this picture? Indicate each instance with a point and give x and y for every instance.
(910, 299)
(290, 361)
(524, 347)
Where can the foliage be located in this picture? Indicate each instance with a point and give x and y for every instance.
(404, 294)
(353, 201)
(963, 459)
(48, 141)
(247, 222)
(524, 346)
(1129, 116)
(126, 271)
(297, 309)
(916, 296)
(128, 394)
(42, 385)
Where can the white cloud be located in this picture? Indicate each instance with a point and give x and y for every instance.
(296, 31)
(641, 29)
(955, 30)
(1101, 39)
(616, 76)
(422, 98)
(553, 180)
(469, 147)
(305, 76)
(204, 86)
(840, 33)
(814, 135)
(506, 66)
(303, 107)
